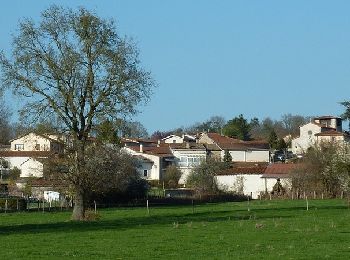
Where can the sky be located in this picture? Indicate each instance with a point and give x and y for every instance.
(256, 58)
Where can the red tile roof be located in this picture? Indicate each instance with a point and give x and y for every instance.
(25, 153)
(279, 170)
(245, 168)
(227, 143)
(189, 145)
(161, 151)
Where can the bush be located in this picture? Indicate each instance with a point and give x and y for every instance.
(12, 203)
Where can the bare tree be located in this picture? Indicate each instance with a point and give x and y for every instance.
(74, 66)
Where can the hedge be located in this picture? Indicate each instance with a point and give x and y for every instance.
(13, 204)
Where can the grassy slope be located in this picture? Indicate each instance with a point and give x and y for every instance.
(271, 229)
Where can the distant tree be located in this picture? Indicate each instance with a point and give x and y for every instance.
(291, 123)
(6, 132)
(160, 135)
(273, 139)
(227, 158)
(131, 129)
(202, 178)
(172, 176)
(238, 127)
(346, 114)
(281, 144)
(106, 132)
(214, 124)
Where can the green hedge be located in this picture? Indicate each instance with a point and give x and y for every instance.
(12, 203)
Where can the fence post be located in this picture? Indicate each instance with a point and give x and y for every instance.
(307, 204)
(17, 205)
(314, 194)
(95, 206)
(147, 207)
(5, 205)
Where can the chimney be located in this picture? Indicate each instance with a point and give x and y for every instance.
(141, 148)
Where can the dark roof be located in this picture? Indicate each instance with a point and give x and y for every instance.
(228, 143)
(187, 145)
(161, 151)
(212, 147)
(331, 133)
(245, 168)
(25, 153)
(279, 170)
(326, 117)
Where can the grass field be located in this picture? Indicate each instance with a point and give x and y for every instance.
(269, 230)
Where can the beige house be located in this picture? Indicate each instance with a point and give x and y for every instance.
(324, 128)
(36, 142)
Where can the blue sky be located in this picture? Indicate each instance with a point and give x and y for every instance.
(256, 58)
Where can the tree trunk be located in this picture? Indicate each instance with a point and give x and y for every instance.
(79, 205)
(79, 200)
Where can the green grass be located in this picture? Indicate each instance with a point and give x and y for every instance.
(270, 230)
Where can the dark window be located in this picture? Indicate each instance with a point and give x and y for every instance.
(145, 173)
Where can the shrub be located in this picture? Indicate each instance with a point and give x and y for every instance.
(12, 203)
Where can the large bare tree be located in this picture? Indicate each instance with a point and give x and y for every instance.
(74, 66)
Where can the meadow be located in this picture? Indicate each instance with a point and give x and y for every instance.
(236, 230)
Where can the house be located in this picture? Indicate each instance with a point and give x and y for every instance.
(37, 142)
(240, 151)
(324, 128)
(28, 162)
(187, 156)
(172, 139)
(152, 159)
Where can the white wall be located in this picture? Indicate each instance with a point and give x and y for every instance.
(306, 139)
(173, 139)
(187, 164)
(155, 171)
(253, 184)
(248, 155)
(29, 166)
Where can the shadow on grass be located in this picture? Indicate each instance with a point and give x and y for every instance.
(161, 219)
(132, 222)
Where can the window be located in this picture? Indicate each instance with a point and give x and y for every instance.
(145, 173)
(19, 147)
(37, 147)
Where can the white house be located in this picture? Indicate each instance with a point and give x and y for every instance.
(324, 128)
(240, 151)
(28, 162)
(153, 160)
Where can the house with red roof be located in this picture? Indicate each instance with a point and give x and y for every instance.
(240, 151)
(319, 129)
